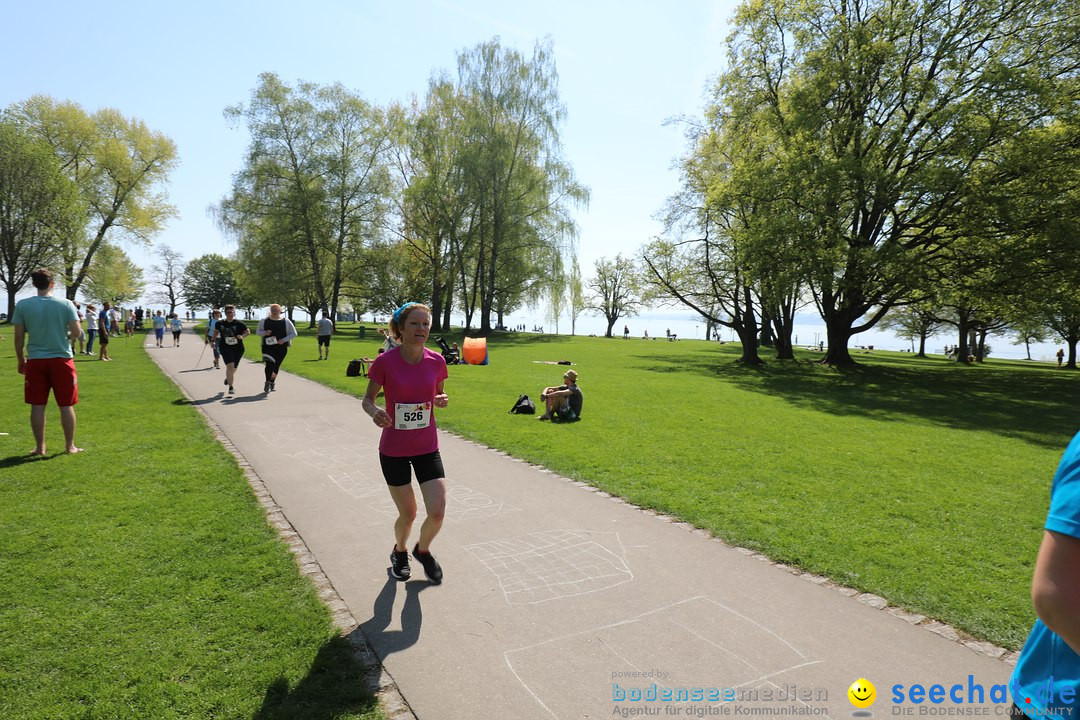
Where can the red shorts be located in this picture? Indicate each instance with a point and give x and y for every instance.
(57, 374)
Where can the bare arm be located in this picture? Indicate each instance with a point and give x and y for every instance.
(378, 416)
(440, 397)
(554, 392)
(1055, 589)
(20, 341)
(75, 330)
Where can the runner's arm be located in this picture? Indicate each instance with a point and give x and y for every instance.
(290, 331)
(378, 416)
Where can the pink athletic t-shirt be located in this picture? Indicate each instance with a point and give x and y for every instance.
(409, 386)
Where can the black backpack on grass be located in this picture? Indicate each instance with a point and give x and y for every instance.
(356, 368)
(524, 406)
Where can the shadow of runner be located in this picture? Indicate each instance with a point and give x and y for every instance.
(334, 686)
(383, 641)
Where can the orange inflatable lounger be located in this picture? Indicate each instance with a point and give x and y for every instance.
(475, 351)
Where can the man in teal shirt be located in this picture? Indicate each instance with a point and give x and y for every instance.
(1045, 681)
(47, 361)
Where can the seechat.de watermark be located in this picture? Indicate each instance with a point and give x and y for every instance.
(969, 699)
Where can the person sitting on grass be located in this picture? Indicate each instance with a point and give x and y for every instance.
(563, 402)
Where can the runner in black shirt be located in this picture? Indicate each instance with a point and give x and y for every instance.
(231, 332)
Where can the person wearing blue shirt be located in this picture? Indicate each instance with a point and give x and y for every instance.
(177, 327)
(1044, 683)
(44, 328)
(159, 328)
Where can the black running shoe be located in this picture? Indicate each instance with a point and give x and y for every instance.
(272, 388)
(399, 564)
(231, 391)
(431, 565)
(266, 387)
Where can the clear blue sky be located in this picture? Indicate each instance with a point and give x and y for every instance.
(624, 69)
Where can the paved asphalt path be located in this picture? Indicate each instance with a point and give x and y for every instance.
(559, 601)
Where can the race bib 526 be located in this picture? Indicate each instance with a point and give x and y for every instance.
(412, 416)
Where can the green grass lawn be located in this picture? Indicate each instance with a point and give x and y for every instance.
(915, 479)
(140, 579)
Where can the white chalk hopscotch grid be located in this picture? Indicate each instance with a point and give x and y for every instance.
(553, 564)
(700, 633)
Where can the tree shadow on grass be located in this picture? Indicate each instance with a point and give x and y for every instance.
(1033, 404)
(336, 683)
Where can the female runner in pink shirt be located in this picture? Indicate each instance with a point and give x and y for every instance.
(411, 378)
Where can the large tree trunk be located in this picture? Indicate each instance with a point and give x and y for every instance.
(980, 347)
(611, 320)
(783, 326)
(745, 324)
(962, 326)
(838, 334)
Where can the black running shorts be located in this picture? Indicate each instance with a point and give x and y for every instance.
(396, 469)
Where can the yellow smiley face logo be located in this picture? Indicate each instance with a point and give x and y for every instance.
(862, 693)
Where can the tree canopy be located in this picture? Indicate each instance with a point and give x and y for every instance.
(120, 167)
(39, 208)
(847, 145)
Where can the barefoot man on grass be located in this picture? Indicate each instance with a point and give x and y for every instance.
(52, 323)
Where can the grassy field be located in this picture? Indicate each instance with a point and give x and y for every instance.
(140, 579)
(915, 479)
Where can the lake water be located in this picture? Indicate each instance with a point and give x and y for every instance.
(809, 330)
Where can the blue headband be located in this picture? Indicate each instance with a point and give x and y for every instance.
(400, 310)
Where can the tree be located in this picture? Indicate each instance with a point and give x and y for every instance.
(120, 167)
(393, 275)
(1027, 334)
(557, 294)
(429, 159)
(702, 264)
(314, 186)
(518, 185)
(617, 290)
(113, 277)
(357, 178)
(279, 196)
(911, 322)
(213, 281)
(167, 274)
(576, 295)
(880, 112)
(39, 208)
